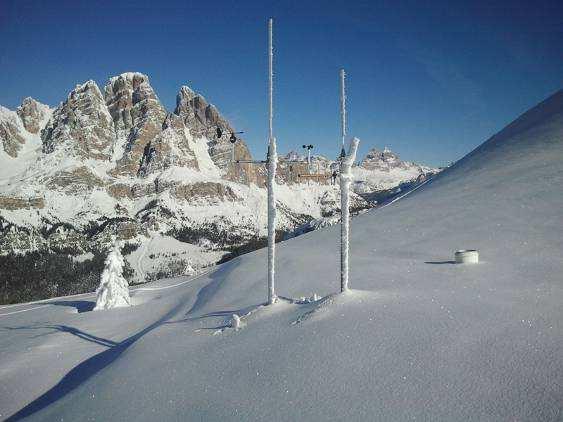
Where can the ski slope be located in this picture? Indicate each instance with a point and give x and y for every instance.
(417, 338)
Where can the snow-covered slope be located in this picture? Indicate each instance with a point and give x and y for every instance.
(417, 338)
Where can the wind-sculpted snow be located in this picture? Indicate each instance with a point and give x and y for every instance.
(417, 338)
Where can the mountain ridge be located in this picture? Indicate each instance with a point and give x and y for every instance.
(113, 162)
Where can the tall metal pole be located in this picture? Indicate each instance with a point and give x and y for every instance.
(270, 80)
(344, 210)
(345, 182)
(343, 110)
(346, 162)
(272, 163)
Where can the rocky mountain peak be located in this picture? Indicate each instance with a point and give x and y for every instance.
(202, 120)
(33, 114)
(138, 117)
(383, 160)
(293, 156)
(170, 147)
(185, 93)
(81, 124)
(123, 92)
(11, 132)
(200, 117)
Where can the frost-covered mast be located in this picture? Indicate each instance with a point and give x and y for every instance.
(342, 111)
(272, 163)
(346, 161)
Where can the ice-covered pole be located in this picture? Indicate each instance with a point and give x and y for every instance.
(270, 80)
(272, 164)
(343, 109)
(345, 181)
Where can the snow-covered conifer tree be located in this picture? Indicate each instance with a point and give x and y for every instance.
(235, 322)
(113, 291)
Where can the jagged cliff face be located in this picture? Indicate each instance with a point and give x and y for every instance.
(168, 148)
(33, 114)
(203, 119)
(11, 133)
(138, 119)
(385, 160)
(81, 125)
(118, 164)
(381, 171)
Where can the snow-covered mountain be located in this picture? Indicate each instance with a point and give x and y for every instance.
(384, 170)
(418, 337)
(114, 162)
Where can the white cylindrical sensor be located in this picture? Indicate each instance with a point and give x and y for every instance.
(467, 256)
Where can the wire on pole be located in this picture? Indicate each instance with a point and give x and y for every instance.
(343, 110)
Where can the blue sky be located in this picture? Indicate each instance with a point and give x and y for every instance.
(431, 80)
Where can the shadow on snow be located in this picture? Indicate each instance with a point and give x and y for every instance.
(91, 366)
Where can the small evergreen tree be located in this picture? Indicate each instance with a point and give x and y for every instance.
(113, 291)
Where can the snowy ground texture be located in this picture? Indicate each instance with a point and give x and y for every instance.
(417, 338)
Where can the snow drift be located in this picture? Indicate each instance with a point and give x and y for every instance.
(418, 338)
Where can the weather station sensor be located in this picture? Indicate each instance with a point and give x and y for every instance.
(467, 256)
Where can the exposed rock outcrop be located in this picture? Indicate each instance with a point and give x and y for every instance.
(170, 147)
(81, 125)
(33, 114)
(206, 191)
(15, 203)
(202, 120)
(75, 180)
(137, 114)
(11, 132)
(382, 160)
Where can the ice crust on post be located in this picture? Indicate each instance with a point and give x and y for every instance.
(113, 291)
(272, 164)
(345, 182)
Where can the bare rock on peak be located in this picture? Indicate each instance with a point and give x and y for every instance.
(169, 148)
(122, 92)
(137, 116)
(11, 132)
(203, 119)
(81, 125)
(383, 160)
(192, 108)
(33, 114)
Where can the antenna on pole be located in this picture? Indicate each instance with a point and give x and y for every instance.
(270, 79)
(272, 160)
(343, 111)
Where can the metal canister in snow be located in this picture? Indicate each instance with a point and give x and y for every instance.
(467, 256)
